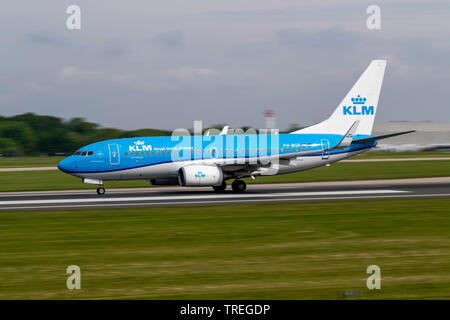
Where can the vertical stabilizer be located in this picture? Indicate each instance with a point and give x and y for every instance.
(360, 104)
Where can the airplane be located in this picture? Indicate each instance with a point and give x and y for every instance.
(212, 160)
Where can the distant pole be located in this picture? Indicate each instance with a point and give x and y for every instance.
(271, 121)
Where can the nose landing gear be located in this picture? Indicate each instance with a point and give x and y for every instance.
(238, 186)
(101, 190)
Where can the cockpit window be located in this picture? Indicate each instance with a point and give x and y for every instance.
(83, 153)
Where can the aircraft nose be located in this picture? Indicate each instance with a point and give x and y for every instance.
(64, 165)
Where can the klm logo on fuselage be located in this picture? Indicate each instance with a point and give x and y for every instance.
(359, 108)
(140, 146)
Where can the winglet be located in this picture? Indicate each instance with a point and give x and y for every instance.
(224, 131)
(348, 138)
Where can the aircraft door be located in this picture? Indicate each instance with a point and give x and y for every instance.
(325, 147)
(114, 156)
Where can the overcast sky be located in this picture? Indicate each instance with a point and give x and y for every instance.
(163, 64)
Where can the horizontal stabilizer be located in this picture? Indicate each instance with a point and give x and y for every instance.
(364, 140)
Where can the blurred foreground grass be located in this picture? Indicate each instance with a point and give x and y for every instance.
(263, 251)
(56, 180)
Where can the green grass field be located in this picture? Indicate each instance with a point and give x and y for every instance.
(25, 162)
(17, 162)
(55, 180)
(270, 251)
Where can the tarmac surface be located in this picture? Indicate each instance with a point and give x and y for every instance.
(256, 193)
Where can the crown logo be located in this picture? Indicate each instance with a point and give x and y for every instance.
(139, 142)
(359, 100)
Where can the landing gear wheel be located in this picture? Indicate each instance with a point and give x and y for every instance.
(239, 186)
(101, 191)
(220, 188)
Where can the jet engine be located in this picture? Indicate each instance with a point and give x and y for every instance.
(198, 176)
(163, 181)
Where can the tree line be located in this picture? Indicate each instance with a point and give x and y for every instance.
(31, 134)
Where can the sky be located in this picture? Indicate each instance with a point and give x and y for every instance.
(163, 64)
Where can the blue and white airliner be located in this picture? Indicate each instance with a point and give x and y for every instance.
(211, 160)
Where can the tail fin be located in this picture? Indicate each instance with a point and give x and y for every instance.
(360, 104)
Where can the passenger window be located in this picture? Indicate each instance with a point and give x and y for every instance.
(282, 149)
(147, 153)
(126, 153)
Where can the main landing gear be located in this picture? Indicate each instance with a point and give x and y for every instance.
(238, 186)
(101, 190)
(220, 188)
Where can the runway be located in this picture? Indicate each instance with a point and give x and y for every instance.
(177, 196)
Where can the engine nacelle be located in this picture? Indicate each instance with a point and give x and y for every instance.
(163, 181)
(200, 176)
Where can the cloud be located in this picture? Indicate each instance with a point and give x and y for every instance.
(171, 39)
(6, 97)
(117, 77)
(190, 73)
(36, 88)
(45, 39)
(335, 38)
(68, 72)
(114, 48)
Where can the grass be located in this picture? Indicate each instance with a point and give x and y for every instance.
(387, 155)
(270, 251)
(25, 162)
(55, 180)
(44, 161)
